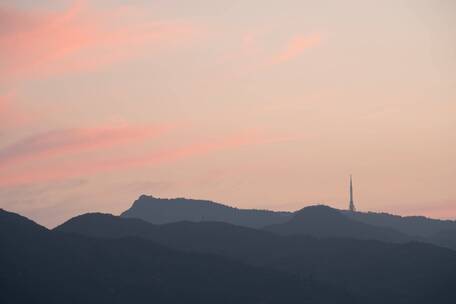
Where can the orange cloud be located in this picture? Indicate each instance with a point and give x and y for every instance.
(37, 43)
(88, 167)
(70, 141)
(296, 46)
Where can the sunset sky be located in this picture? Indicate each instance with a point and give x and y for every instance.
(255, 104)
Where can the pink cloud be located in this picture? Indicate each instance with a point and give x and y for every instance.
(71, 141)
(89, 167)
(36, 43)
(253, 50)
(296, 46)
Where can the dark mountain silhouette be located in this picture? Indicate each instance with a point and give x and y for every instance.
(42, 266)
(161, 211)
(411, 225)
(446, 238)
(374, 271)
(381, 226)
(323, 221)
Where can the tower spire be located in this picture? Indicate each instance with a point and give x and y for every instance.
(352, 204)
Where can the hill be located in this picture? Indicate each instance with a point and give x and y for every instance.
(161, 211)
(375, 272)
(323, 221)
(42, 266)
(377, 226)
(411, 225)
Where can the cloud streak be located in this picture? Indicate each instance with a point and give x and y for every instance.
(295, 47)
(71, 141)
(37, 43)
(91, 167)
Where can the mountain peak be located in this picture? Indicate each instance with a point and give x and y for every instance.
(104, 224)
(324, 221)
(10, 221)
(318, 213)
(319, 208)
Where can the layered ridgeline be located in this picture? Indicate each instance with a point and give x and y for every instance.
(42, 266)
(323, 221)
(320, 221)
(370, 271)
(162, 211)
(315, 255)
(411, 225)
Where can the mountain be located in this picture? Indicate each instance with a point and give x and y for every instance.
(411, 225)
(42, 266)
(375, 272)
(445, 238)
(313, 220)
(161, 211)
(323, 221)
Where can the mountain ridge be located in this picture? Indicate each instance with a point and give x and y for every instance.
(366, 217)
(324, 221)
(161, 211)
(61, 267)
(364, 267)
(386, 226)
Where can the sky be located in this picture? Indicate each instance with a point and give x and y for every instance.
(254, 104)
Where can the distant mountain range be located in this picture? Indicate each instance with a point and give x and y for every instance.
(162, 211)
(319, 221)
(323, 221)
(191, 251)
(411, 225)
(370, 271)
